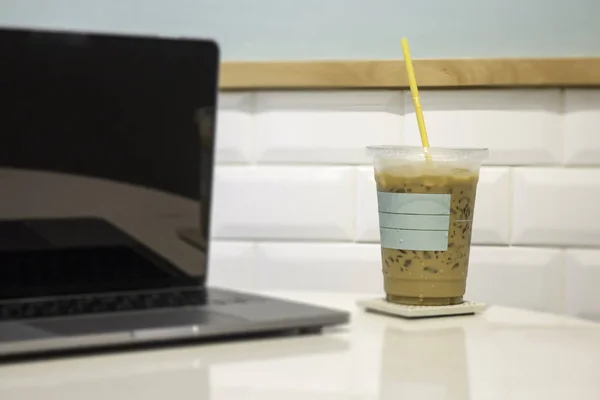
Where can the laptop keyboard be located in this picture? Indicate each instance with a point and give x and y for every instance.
(107, 304)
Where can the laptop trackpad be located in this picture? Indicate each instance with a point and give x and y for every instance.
(135, 321)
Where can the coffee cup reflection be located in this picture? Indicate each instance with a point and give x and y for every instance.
(424, 365)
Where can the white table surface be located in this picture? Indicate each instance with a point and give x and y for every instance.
(501, 354)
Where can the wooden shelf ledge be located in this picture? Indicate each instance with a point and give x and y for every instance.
(391, 74)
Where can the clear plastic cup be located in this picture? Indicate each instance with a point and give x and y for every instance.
(426, 208)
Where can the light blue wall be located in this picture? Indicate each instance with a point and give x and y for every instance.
(339, 29)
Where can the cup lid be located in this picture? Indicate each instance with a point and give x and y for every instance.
(437, 153)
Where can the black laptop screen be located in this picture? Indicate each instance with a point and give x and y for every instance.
(111, 129)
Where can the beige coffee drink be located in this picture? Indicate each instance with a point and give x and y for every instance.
(426, 209)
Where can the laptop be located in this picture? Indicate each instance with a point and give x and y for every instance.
(107, 144)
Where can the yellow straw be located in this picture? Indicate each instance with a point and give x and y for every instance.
(415, 94)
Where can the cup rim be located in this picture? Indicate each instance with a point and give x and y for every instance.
(436, 153)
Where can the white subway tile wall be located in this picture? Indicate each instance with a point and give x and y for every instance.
(295, 205)
(325, 128)
(556, 206)
(518, 277)
(319, 266)
(582, 281)
(284, 202)
(523, 127)
(233, 264)
(582, 146)
(235, 121)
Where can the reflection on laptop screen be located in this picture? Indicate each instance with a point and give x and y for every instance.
(105, 158)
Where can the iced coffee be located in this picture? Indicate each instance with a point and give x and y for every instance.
(426, 217)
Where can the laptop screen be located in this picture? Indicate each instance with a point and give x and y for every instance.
(106, 152)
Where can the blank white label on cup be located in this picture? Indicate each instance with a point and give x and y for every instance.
(414, 221)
